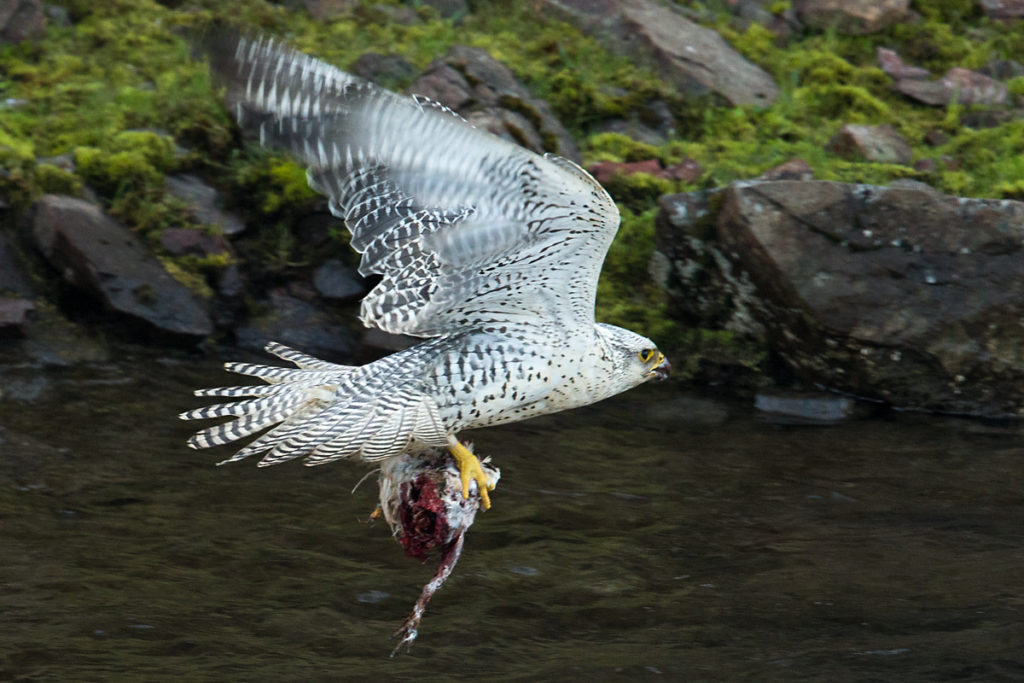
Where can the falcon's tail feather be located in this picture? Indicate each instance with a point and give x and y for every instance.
(322, 411)
(290, 391)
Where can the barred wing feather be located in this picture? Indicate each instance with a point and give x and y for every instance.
(465, 228)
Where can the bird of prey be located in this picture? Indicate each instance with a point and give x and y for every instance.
(488, 251)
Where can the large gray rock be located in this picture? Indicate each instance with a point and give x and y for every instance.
(958, 85)
(204, 202)
(335, 280)
(486, 93)
(880, 144)
(693, 58)
(14, 315)
(21, 20)
(296, 323)
(385, 70)
(104, 258)
(705, 289)
(12, 276)
(901, 294)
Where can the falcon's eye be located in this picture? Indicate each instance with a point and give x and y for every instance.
(646, 355)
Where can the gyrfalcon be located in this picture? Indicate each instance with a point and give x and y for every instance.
(487, 250)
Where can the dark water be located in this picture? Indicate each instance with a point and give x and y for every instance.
(660, 535)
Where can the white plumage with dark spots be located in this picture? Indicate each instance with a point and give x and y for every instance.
(488, 251)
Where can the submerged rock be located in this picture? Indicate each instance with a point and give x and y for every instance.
(693, 58)
(797, 407)
(99, 256)
(486, 93)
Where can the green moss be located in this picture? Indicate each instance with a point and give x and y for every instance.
(938, 46)
(625, 294)
(116, 172)
(278, 181)
(639, 191)
(954, 12)
(616, 147)
(52, 179)
(1015, 86)
(16, 164)
(690, 349)
(194, 281)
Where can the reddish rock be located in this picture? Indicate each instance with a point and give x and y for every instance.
(687, 170)
(852, 17)
(894, 66)
(880, 144)
(603, 171)
(794, 169)
(179, 241)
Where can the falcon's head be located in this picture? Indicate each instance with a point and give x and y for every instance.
(635, 359)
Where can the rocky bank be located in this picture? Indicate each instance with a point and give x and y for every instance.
(834, 185)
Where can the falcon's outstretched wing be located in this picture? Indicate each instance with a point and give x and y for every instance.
(468, 230)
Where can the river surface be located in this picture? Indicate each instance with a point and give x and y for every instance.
(660, 535)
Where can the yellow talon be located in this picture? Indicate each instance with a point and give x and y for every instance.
(469, 469)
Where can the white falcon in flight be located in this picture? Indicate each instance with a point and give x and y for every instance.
(487, 250)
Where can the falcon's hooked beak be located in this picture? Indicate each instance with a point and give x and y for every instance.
(661, 368)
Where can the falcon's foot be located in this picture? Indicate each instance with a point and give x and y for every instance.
(470, 470)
